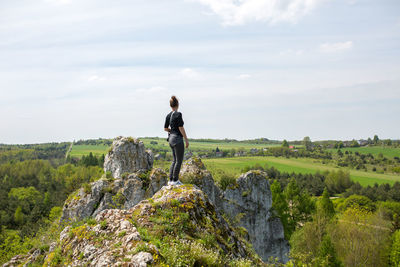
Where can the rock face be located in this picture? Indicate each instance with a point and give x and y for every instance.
(127, 155)
(131, 182)
(250, 202)
(247, 202)
(122, 193)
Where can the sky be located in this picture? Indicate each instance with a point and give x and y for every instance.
(242, 69)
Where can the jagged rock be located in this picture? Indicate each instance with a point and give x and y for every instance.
(251, 201)
(127, 155)
(121, 193)
(24, 260)
(248, 201)
(181, 215)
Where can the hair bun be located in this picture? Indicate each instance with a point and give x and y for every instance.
(173, 102)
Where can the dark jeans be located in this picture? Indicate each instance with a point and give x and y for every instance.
(178, 149)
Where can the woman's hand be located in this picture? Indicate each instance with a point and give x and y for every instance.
(183, 132)
(187, 143)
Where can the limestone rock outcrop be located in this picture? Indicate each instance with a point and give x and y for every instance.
(127, 155)
(121, 193)
(178, 226)
(247, 202)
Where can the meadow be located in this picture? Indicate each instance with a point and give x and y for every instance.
(161, 144)
(234, 166)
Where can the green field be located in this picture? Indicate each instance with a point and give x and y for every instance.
(234, 166)
(80, 150)
(388, 152)
(83, 150)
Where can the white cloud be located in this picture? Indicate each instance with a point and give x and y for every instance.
(95, 78)
(243, 76)
(335, 47)
(237, 12)
(189, 73)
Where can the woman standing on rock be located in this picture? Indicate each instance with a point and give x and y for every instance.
(176, 133)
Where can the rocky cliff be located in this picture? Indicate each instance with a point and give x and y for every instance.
(137, 220)
(248, 203)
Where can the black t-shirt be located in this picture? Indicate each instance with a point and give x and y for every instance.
(176, 122)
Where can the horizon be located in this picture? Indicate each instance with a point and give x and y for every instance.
(325, 69)
(216, 139)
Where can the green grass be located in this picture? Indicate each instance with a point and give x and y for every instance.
(201, 145)
(79, 150)
(234, 166)
(389, 152)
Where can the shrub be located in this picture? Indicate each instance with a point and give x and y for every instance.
(87, 188)
(55, 213)
(103, 225)
(226, 181)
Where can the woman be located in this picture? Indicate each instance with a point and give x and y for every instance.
(176, 133)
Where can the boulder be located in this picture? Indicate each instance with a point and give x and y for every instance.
(127, 155)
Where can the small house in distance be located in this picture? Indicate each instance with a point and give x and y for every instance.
(219, 153)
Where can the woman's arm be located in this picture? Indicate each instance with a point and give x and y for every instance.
(182, 130)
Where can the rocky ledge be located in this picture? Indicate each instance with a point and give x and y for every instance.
(178, 226)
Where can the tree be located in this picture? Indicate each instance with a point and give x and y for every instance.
(338, 181)
(307, 143)
(325, 205)
(376, 139)
(354, 143)
(395, 251)
(327, 253)
(361, 238)
(300, 205)
(285, 143)
(19, 216)
(280, 205)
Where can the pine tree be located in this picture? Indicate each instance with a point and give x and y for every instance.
(327, 254)
(280, 205)
(325, 205)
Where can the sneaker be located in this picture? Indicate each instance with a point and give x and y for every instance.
(171, 182)
(178, 183)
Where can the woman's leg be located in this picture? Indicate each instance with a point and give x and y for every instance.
(179, 151)
(171, 169)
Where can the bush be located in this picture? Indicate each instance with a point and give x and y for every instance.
(87, 188)
(226, 181)
(189, 253)
(358, 202)
(55, 213)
